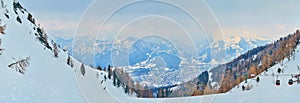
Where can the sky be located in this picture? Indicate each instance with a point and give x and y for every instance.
(59, 17)
(270, 19)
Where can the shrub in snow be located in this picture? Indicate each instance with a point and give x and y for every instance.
(20, 66)
(2, 28)
(249, 87)
(19, 20)
(1, 49)
(30, 18)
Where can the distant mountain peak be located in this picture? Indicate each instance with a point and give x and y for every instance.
(235, 39)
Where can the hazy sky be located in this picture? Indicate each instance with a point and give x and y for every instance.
(268, 18)
(59, 17)
(271, 18)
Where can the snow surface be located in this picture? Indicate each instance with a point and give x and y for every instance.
(47, 79)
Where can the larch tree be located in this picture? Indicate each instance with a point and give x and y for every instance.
(137, 89)
(208, 90)
(253, 70)
(131, 85)
(160, 93)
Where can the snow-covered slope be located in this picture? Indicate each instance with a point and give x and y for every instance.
(47, 79)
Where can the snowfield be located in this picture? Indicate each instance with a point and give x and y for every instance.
(51, 80)
(47, 79)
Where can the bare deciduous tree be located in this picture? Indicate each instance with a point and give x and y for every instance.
(1, 49)
(20, 66)
(2, 28)
(55, 50)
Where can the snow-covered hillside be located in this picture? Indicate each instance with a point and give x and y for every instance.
(47, 79)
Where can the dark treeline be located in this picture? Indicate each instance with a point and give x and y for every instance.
(123, 79)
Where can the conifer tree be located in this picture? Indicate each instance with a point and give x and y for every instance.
(55, 50)
(114, 78)
(109, 72)
(82, 69)
(99, 68)
(70, 62)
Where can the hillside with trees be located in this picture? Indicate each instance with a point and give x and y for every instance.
(225, 76)
(254, 62)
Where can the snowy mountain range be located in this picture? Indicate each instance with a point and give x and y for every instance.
(84, 47)
(225, 50)
(152, 58)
